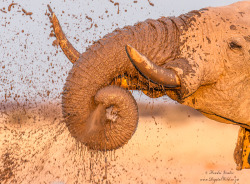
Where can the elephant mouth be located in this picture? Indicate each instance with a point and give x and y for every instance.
(138, 82)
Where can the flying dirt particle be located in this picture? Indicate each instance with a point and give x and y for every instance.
(89, 18)
(106, 168)
(26, 13)
(135, 1)
(52, 34)
(117, 4)
(151, 4)
(90, 27)
(154, 120)
(112, 1)
(55, 43)
(3, 10)
(10, 6)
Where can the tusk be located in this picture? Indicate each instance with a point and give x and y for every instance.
(151, 71)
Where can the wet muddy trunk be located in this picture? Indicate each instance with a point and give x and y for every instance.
(101, 63)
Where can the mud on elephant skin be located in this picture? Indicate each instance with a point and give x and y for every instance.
(200, 59)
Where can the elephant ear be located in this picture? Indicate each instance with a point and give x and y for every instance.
(178, 74)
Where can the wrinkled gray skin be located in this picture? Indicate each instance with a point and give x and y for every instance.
(209, 50)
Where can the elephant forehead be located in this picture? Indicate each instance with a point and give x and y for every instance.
(212, 30)
(242, 7)
(237, 13)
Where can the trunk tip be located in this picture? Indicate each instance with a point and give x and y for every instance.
(50, 9)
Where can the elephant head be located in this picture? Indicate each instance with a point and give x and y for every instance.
(213, 65)
(200, 59)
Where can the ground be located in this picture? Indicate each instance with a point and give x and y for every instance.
(172, 144)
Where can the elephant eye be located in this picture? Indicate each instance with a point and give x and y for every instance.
(234, 45)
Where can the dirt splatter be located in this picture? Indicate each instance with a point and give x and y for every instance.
(89, 18)
(8, 166)
(3, 10)
(151, 4)
(26, 13)
(48, 153)
(118, 5)
(11, 5)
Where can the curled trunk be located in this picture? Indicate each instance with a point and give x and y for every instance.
(84, 112)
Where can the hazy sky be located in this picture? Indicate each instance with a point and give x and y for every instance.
(31, 68)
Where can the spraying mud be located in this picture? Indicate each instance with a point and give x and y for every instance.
(36, 146)
(12, 5)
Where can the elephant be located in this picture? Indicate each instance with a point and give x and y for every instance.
(200, 59)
